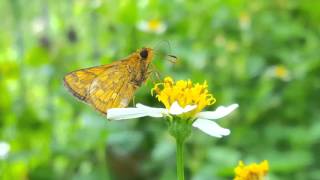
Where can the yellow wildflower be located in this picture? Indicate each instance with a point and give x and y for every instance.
(185, 93)
(253, 171)
(281, 72)
(183, 100)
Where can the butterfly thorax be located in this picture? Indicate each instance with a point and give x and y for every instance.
(138, 66)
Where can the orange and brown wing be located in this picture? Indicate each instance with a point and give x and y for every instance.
(112, 89)
(79, 81)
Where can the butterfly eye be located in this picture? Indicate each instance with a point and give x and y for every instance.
(144, 54)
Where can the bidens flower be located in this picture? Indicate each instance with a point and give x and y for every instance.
(279, 71)
(183, 103)
(153, 26)
(253, 171)
(183, 96)
(244, 21)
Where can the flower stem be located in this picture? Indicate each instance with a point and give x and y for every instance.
(180, 161)
(180, 129)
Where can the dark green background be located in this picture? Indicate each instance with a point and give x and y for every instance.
(234, 45)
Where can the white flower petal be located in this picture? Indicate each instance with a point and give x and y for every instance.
(125, 113)
(161, 29)
(143, 26)
(211, 128)
(220, 112)
(189, 108)
(4, 149)
(153, 112)
(176, 109)
(139, 111)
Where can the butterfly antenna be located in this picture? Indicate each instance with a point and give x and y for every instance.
(172, 58)
(158, 44)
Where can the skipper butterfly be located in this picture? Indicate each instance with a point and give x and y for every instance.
(112, 85)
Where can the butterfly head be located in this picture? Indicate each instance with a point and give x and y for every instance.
(145, 54)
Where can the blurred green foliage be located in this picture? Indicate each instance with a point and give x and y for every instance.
(263, 55)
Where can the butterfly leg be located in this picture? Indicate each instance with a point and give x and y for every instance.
(155, 72)
(136, 85)
(151, 78)
(133, 101)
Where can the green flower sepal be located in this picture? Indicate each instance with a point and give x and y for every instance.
(179, 128)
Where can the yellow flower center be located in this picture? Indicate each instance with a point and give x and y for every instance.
(253, 171)
(184, 92)
(154, 24)
(281, 71)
